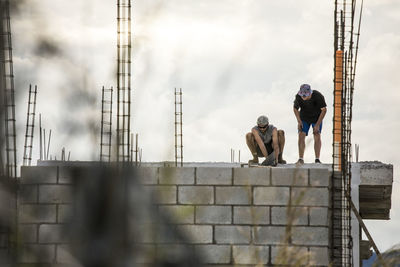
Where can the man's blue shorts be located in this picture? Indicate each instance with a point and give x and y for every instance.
(306, 127)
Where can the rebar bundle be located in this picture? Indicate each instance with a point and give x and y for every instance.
(30, 126)
(124, 80)
(178, 128)
(344, 74)
(7, 79)
(106, 124)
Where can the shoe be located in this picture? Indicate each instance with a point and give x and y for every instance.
(300, 162)
(317, 161)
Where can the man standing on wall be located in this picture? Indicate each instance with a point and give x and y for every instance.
(312, 111)
(265, 140)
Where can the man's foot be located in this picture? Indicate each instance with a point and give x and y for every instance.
(280, 159)
(317, 161)
(253, 161)
(300, 162)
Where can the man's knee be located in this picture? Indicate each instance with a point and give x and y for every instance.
(302, 135)
(250, 137)
(317, 136)
(281, 133)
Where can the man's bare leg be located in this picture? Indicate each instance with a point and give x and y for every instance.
(302, 144)
(317, 145)
(251, 143)
(281, 143)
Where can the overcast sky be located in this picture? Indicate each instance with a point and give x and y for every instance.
(233, 59)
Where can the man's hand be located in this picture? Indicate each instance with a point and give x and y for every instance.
(300, 126)
(266, 163)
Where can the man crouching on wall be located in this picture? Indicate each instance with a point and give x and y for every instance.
(266, 141)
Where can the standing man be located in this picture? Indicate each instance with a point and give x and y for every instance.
(265, 140)
(312, 111)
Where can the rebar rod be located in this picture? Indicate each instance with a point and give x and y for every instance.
(123, 80)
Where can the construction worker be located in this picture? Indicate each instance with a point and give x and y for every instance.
(266, 141)
(312, 111)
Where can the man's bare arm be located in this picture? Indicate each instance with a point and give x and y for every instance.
(275, 143)
(259, 142)
(320, 118)
(299, 122)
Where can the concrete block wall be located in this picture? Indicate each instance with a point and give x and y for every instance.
(231, 216)
(45, 204)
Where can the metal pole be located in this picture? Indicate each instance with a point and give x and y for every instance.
(48, 144)
(44, 144)
(181, 124)
(40, 134)
(136, 150)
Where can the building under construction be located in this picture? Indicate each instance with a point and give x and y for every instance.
(122, 212)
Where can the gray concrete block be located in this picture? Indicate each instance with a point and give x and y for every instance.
(214, 176)
(162, 194)
(144, 253)
(3, 240)
(177, 176)
(376, 173)
(53, 233)
(37, 254)
(319, 256)
(55, 194)
(65, 174)
(320, 177)
(269, 235)
(5, 259)
(310, 236)
(64, 213)
(250, 255)
(217, 254)
(319, 216)
(289, 176)
(179, 214)
(271, 195)
(64, 255)
(28, 193)
(251, 215)
(232, 234)
(37, 213)
(289, 256)
(197, 234)
(173, 253)
(147, 175)
(233, 195)
(305, 196)
(252, 176)
(27, 233)
(153, 233)
(38, 175)
(196, 195)
(294, 216)
(213, 214)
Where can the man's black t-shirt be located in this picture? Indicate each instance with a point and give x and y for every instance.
(310, 109)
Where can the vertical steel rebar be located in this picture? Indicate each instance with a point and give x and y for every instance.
(124, 80)
(8, 93)
(178, 128)
(30, 126)
(106, 124)
(40, 136)
(345, 58)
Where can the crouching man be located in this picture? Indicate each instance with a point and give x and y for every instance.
(266, 141)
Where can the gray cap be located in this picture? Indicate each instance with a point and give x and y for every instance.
(262, 120)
